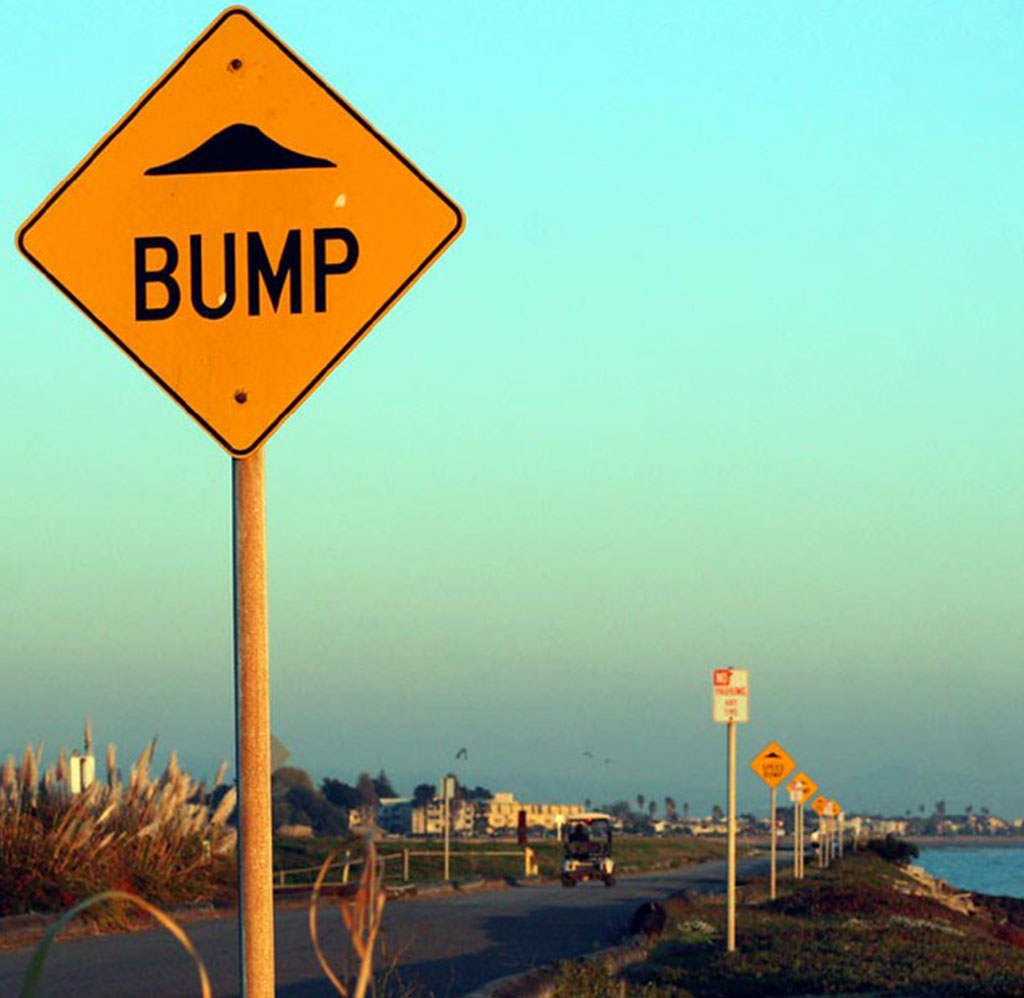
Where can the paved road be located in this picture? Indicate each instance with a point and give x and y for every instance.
(449, 944)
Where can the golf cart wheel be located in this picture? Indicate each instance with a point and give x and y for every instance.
(568, 881)
(609, 880)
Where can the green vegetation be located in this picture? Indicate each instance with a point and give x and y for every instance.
(862, 926)
(894, 849)
(632, 854)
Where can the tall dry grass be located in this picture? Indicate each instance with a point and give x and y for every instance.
(151, 835)
(361, 914)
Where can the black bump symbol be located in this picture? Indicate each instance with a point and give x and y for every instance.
(235, 149)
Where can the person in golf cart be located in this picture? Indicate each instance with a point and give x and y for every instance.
(587, 840)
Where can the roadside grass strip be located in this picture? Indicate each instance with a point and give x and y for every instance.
(855, 928)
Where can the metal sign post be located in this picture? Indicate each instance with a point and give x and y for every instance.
(801, 789)
(252, 730)
(803, 841)
(820, 807)
(835, 847)
(773, 764)
(447, 834)
(731, 890)
(447, 793)
(799, 836)
(793, 797)
(238, 247)
(731, 706)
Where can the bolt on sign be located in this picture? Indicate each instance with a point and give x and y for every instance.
(819, 805)
(773, 764)
(801, 788)
(239, 231)
(731, 695)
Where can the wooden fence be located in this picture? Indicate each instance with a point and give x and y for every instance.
(348, 862)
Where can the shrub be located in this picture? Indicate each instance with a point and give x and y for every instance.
(153, 836)
(894, 850)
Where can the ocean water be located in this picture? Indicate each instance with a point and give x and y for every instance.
(989, 869)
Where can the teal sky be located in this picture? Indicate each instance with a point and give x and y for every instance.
(726, 369)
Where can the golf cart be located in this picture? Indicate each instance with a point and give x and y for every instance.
(587, 839)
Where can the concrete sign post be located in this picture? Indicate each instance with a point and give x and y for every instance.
(731, 706)
(773, 764)
(236, 234)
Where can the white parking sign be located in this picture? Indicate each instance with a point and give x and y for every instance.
(731, 696)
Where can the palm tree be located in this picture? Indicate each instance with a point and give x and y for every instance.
(652, 809)
(586, 803)
(640, 798)
(686, 809)
(670, 808)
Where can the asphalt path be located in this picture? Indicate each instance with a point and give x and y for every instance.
(447, 945)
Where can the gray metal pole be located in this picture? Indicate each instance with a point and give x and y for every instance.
(796, 841)
(772, 834)
(447, 832)
(731, 890)
(800, 838)
(252, 731)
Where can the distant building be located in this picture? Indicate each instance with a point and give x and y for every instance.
(885, 826)
(429, 818)
(503, 813)
(394, 815)
(498, 814)
(81, 771)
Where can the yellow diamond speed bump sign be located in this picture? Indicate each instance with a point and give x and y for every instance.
(819, 805)
(773, 764)
(240, 230)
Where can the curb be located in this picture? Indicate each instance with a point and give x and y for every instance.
(540, 982)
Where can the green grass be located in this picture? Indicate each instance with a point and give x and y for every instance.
(633, 853)
(847, 929)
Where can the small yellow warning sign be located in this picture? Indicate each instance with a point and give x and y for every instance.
(801, 788)
(773, 764)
